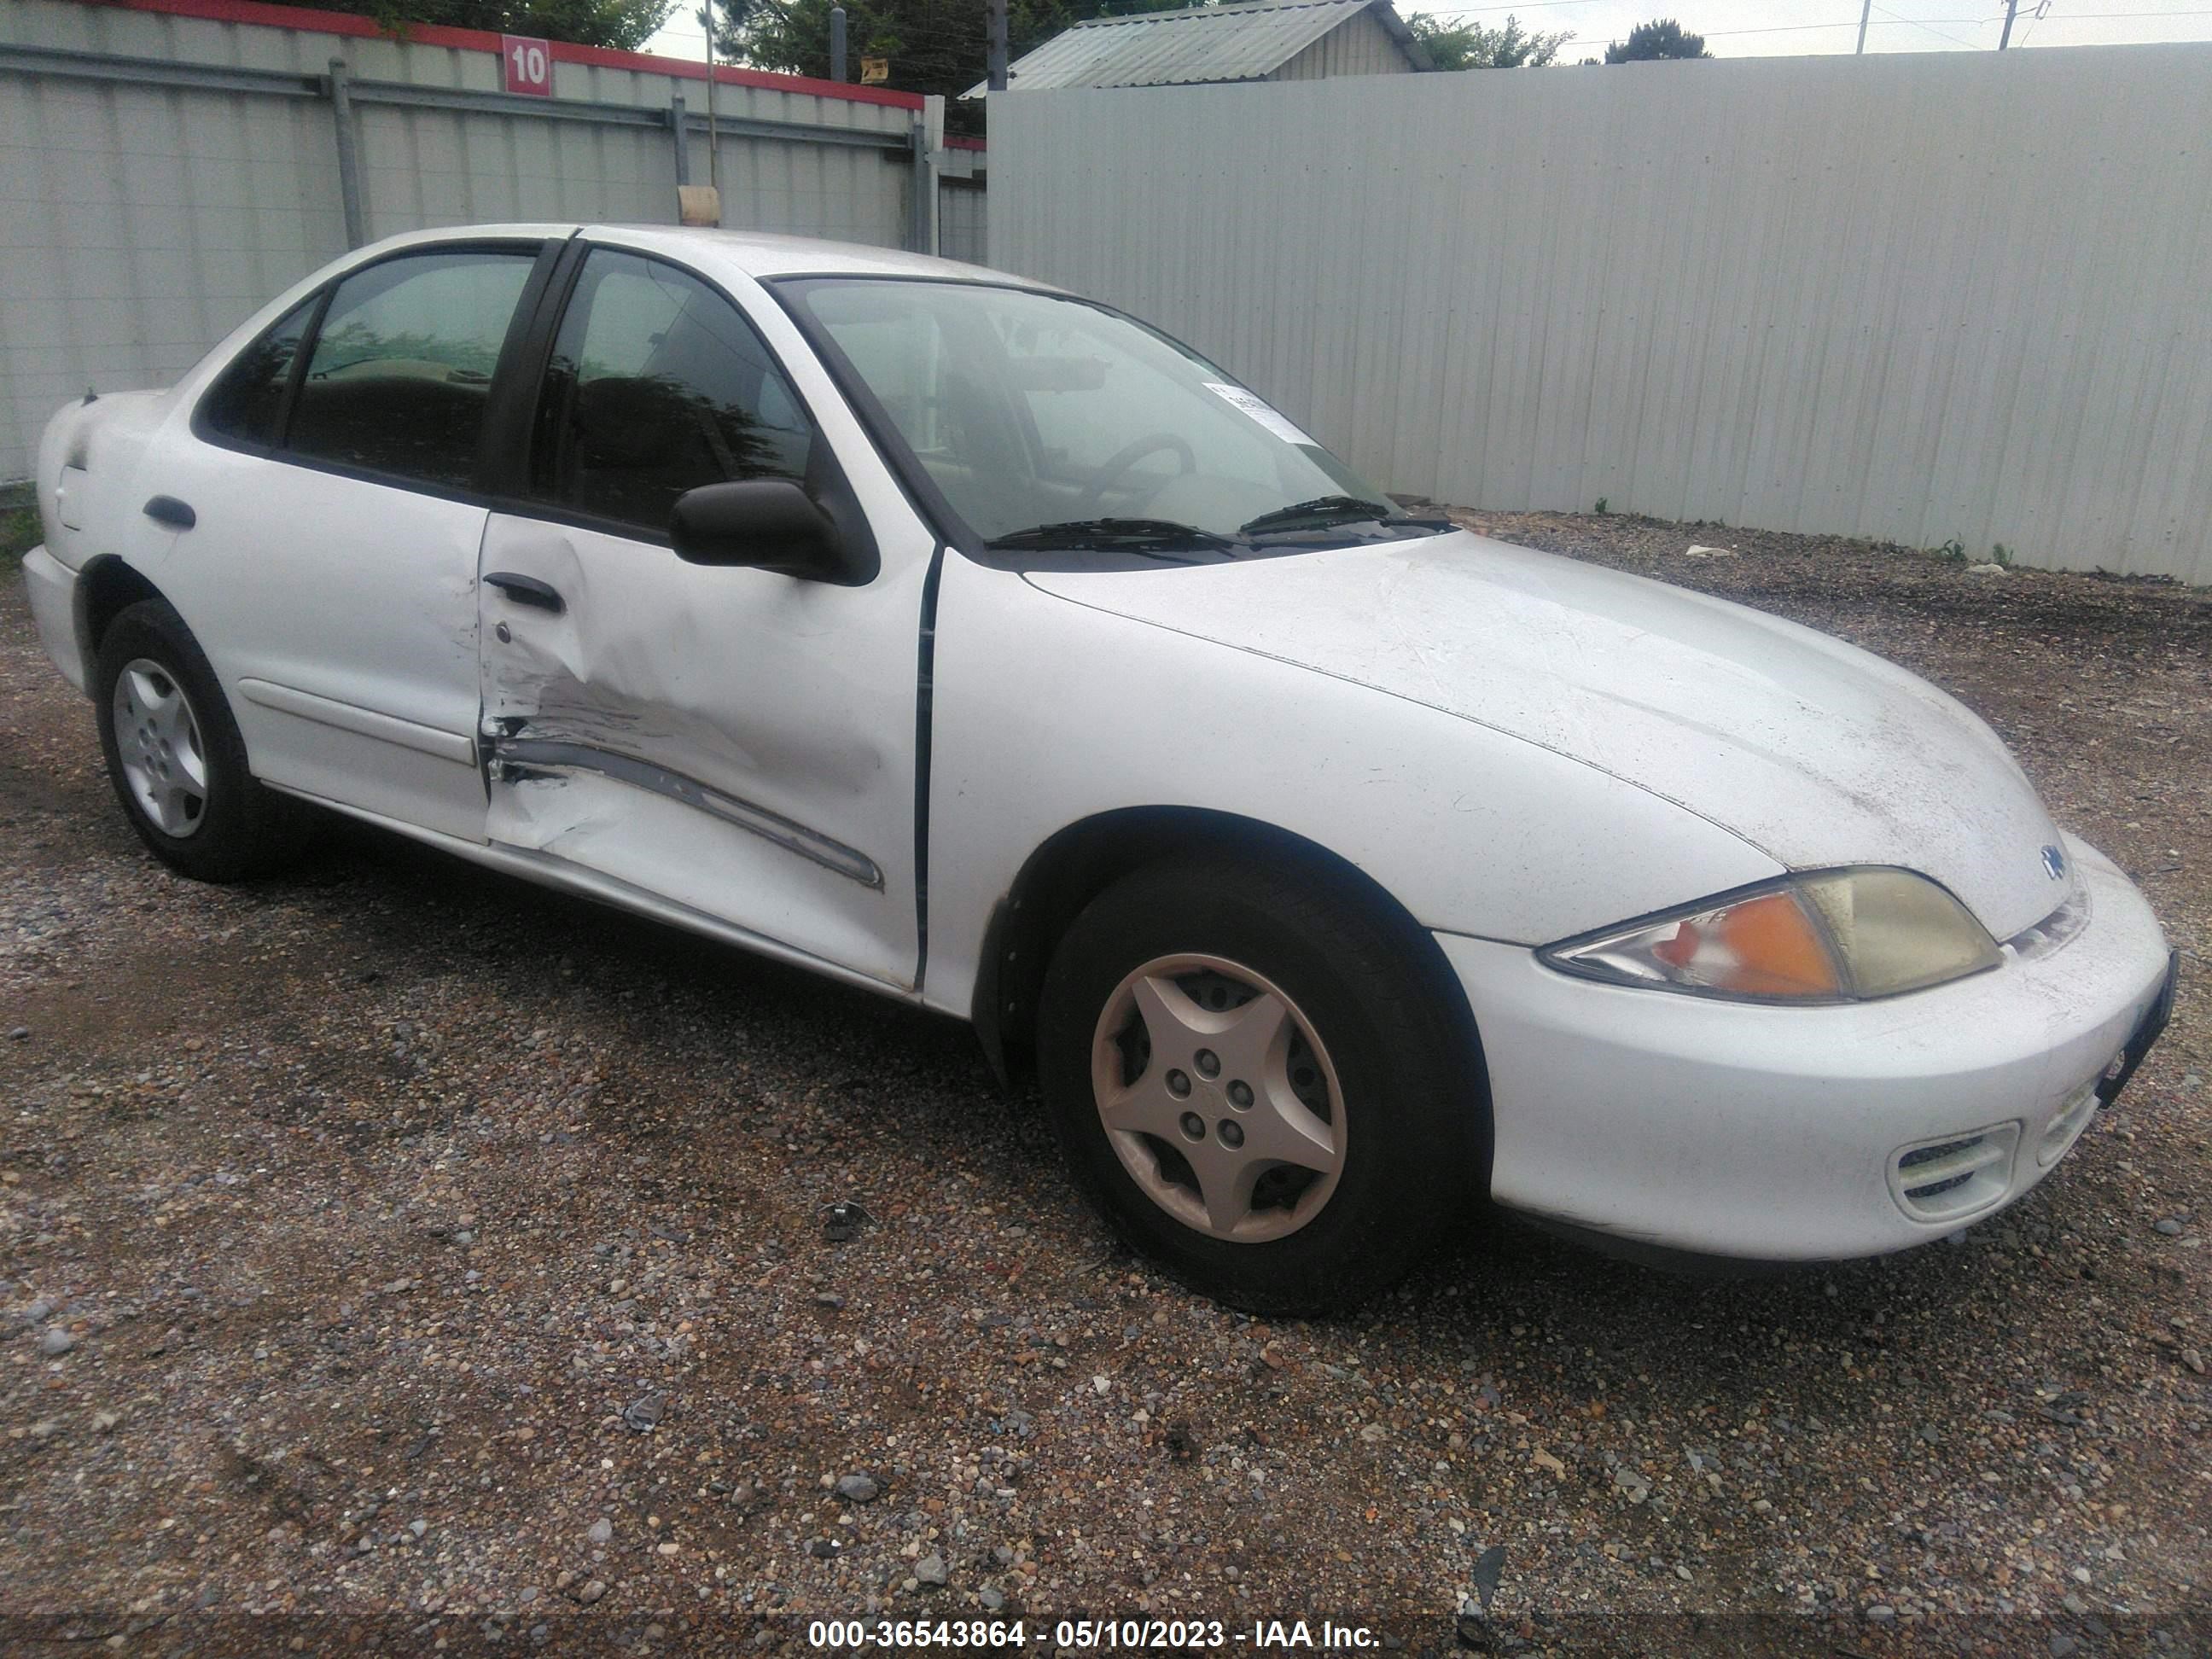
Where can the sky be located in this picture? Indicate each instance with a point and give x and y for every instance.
(1769, 29)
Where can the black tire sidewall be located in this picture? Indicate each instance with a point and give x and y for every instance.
(237, 831)
(1410, 1135)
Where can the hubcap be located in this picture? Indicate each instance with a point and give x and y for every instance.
(1218, 1098)
(157, 737)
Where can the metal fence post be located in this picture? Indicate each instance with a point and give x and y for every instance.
(357, 216)
(928, 144)
(682, 134)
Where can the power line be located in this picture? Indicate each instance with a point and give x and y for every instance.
(1931, 27)
(1791, 29)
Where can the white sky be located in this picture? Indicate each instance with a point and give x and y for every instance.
(1767, 28)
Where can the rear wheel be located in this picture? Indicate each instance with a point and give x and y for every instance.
(175, 754)
(1255, 1080)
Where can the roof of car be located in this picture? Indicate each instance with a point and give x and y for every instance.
(758, 254)
(763, 253)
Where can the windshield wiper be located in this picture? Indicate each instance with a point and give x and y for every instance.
(1107, 533)
(1322, 509)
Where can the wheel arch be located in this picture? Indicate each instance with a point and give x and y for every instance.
(1076, 864)
(107, 587)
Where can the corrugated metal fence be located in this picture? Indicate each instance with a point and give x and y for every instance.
(162, 175)
(1904, 297)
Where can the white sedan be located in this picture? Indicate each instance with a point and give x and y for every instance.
(1330, 868)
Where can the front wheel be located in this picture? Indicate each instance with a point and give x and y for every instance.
(175, 754)
(1254, 1079)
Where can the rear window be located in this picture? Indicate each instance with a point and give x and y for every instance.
(400, 377)
(246, 400)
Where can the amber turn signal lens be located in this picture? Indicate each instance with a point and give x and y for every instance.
(1764, 947)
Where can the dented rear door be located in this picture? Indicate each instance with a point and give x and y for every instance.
(742, 742)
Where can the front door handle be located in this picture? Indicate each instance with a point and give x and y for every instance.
(527, 590)
(168, 509)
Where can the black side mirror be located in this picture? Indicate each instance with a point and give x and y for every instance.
(763, 524)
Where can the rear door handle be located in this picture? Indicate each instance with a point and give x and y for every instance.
(168, 509)
(527, 590)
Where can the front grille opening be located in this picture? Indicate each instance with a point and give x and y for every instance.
(1948, 1180)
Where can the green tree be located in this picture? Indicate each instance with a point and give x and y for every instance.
(1663, 37)
(624, 25)
(1470, 46)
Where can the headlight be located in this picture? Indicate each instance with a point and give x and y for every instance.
(1832, 935)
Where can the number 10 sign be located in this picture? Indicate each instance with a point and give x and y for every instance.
(526, 65)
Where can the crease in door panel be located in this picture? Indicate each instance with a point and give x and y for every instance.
(520, 759)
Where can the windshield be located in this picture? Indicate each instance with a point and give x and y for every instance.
(1046, 422)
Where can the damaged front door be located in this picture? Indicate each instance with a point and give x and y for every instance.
(736, 741)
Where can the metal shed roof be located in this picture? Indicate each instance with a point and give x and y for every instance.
(1237, 42)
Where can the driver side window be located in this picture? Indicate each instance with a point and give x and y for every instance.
(658, 385)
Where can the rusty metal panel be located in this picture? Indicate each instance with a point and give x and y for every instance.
(1906, 297)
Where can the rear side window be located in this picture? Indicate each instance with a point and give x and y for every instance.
(658, 385)
(246, 400)
(400, 377)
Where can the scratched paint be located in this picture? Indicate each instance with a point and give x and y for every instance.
(738, 741)
(1814, 751)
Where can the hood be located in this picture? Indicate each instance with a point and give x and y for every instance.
(1817, 753)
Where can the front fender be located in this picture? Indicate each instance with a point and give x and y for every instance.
(1048, 712)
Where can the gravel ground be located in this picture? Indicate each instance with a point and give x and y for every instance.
(393, 1255)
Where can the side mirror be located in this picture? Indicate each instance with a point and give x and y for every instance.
(763, 524)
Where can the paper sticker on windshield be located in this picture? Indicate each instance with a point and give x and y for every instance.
(1259, 411)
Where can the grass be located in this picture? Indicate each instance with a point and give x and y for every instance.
(19, 525)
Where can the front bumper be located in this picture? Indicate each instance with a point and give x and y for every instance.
(52, 587)
(1691, 1124)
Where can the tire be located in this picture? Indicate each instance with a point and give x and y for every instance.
(1366, 1074)
(174, 755)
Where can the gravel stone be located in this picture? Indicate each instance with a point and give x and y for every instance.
(858, 1489)
(930, 1570)
(217, 1221)
(56, 1340)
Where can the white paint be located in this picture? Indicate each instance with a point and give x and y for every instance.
(1812, 751)
(1910, 298)
(1767, 1132)
(453, 746)
(1517, 748)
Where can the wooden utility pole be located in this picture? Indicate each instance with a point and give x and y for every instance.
(2005, 39)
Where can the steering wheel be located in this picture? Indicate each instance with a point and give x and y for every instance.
(1130, 453)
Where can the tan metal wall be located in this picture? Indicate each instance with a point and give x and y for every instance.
(1905, 297)
(139, 223)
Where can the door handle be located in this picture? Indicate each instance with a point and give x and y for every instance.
(168, 509)
(527, 590)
